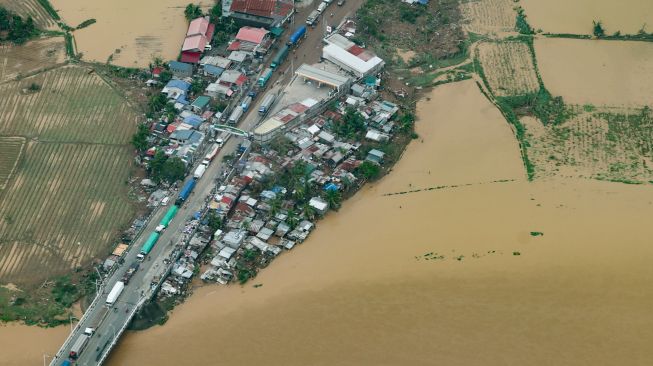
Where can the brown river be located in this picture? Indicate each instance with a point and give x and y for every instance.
(448, 276)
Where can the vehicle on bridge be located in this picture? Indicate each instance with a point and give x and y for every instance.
(280, 57)
(265, 76)
(300, 33)
(147, 247)
(130, 272)
(115, 293)
(78, 346)
(186, 191)
(97, 321)
(66, 363)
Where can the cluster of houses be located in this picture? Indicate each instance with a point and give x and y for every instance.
(305, 114)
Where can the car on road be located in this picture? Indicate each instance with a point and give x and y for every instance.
(341, 2)
(164, 201)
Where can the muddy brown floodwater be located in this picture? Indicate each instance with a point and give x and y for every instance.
(444, 276)
(138, 30)
(576, 16)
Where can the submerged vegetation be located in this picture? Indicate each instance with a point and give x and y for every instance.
(16, 29)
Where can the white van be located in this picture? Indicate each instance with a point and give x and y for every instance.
(164, 201)
(322, 6)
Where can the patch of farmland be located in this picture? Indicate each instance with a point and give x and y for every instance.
(62, 208)
(32, 8)
(489, 16)
(73, 105)
(508, 67)
(30, 57)
(576, 17)
(612, 73)
(609, 144)
(11, 149)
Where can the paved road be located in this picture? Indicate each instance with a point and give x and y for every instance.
(116, 318)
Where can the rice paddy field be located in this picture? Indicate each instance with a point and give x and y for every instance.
(489, 16)
(511, 67)
(16, 61)
(32, 8)
(67, 198)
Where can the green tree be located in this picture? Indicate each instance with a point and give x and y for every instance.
(309, 211)
(214, 221)
(197, 86)
(333, 198)
(368, 170)
(157, 102)
(165, 76)
(216, 12)
(174, 169)
(139, 140)
(598, 29)
(192, 11)
(156, 165)
(351, 124)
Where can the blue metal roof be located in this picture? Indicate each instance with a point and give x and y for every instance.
(193, 120)
(179, 84)
(180, 66)
(213, 70)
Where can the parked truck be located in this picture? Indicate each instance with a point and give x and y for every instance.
(313, 18)
(96, 321)
(186, 191)
(199, 171)
(149, 244)
(130, 271)
(115, 293)
(268, 101)
(78, 346)
(246, 103)
(300, 33)
(280, 57)
(265, 76)
(235, 115)
(213, 152)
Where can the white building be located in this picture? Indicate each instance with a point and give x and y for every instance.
(351, 57)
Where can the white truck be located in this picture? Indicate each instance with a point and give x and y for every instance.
(199, 171)
(313, 17)
(115, 293)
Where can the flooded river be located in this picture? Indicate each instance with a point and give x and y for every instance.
(132, 31)
(484, 268)
(445, 276)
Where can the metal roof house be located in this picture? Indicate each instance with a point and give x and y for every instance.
(200, 103)
(261, 13)
(349, 56)
(181, 69)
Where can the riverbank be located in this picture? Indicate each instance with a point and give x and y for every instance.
(440, 266)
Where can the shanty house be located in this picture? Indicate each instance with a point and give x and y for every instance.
(261, 13)
(181, 69)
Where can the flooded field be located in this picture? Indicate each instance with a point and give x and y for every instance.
(23, 345)
(564, 16)
(487, 270)
(614, 73)
(131, 32)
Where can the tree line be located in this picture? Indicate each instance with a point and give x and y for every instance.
(14, 28)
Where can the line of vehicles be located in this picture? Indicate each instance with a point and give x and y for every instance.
(82, 341)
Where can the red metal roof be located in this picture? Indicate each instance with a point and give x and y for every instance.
(355, 50)
(241, 80)
(298, 108)
(198, 26)
(263, 8)
(190, 57)
(251, 34)
(234, 46)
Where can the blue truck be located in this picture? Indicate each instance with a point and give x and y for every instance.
(300, 32)
(186, 191)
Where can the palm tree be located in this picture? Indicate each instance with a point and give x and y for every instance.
(292, 218)
(333, 198)
(309, 211)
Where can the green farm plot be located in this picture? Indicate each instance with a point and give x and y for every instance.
(11, 149)
(67, 198)
(74, 105)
